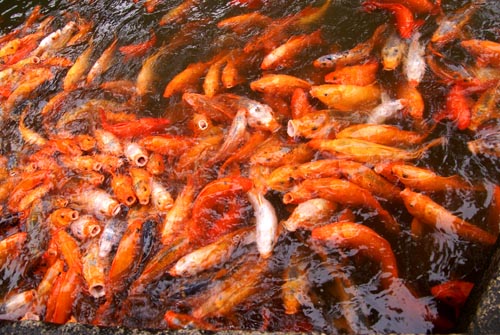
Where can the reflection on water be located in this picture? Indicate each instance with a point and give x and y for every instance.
(308, 284)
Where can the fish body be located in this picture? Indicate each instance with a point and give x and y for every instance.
(414, 64)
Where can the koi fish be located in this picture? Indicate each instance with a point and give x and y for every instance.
(103, 63)
(366, 151)
(80, 66)
(347, 97)
(453, 293)
(352, 56)
(266, 223)
(451, 25)
(284, 55)
(393, 51)
(135, 128)
(179, 13)
(310, 214)
(137, 50)
(56, 40)
(405, 22)
(279, 84)
(414, 64)
(429, 212)
(365, 240)
(485, 52)
(360, 75)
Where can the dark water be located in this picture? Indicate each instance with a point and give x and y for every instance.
(423, 263)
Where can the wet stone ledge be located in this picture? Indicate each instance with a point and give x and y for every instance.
(484, 301)
(42, 328)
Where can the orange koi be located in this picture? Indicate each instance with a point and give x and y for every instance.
(127, 258)
(412, 100)
(485, 107)
(347, 97)
(86, 227)
(282, 84)
(80, 163)
(429, 212)
(296, 286)
(426, 180)
(103, 63)
(186, 80)
(310, 214)
(141, 181)
(285, 177)
(226, 294)
(366, 178)
(94, 271)
(56, 40)
(451, 25)
(175, 222)
(234, 137)
(76, 72)
(357, 54)
(284, 55)
(365, 240)
(157, 266)
(155, 164)
(210, 198)
(405, 22)
(245, 151)
(68, 247)
(316, 124)
(369, 152)
(213, 254)
(25, 88)
(300, 104)
(150, 5)
(342, 192)
(138, 50)
(85, 28)
(44, 289)
(135, 128)
(459, 104)
(360, 75)
(419, 6)
(485, 52)
(453, 293)
(212, 83)
(11, 247)
(62, 217)
(27, 184)
(147, 74)
(63, 294)
(110, 163)
(241, 24)
(274, 153)
(179, 13)
(233, 74)
(123, 189)
(214, 108)
(382, 134)
(167, 145)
